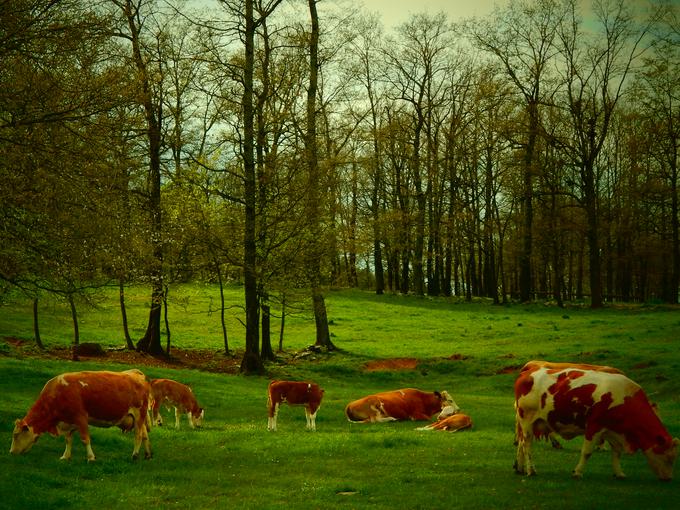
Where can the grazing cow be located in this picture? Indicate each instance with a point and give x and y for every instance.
(305, 394)
(173, 394)
(71, 401)
(397, 405)
(449, 422)
(596, 404)
(532, 366)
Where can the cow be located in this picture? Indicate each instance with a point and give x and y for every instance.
(174, 394)
(598, 405)
(293, 393)
(71, 401)
(397, 405)
(532, 366)
(451, 422)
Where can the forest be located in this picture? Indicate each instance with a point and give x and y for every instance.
(295, 146)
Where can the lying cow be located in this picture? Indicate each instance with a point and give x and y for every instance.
(397, 405)
(71, 401)
(173, 394)
(532, 366)
(596, 404)
(449, 420)
(305, 394)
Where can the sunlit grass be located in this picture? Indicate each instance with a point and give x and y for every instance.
(234, 462)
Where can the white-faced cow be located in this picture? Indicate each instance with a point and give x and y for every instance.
(72, 401)
(174, 394)
(294, 393)
(397, 405)
(596, 404)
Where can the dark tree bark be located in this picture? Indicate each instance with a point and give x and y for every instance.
(323, 337)
(36, 328)
(251, 362)
(76, 329)
(123, 312)
(151, 341)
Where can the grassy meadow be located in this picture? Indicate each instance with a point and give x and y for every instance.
(468, 349)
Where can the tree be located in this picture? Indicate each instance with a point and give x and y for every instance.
(136, 19)
(323, 337)
(521, 37)
(594, 75)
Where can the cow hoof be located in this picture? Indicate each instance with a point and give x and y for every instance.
(148, 456)
(620, 476)
(135, 456)
(576, 476)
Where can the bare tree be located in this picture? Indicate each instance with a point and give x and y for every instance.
(521, 36)
(594, 74)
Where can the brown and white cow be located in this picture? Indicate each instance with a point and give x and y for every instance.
(70, 402)
(532, 366)
(294, 393)
(598, 405)
(449, 420)
(397, 405)
(174, 394)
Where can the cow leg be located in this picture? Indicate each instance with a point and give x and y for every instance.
(68, 435)
(273, 411)
(85, 437)
(311, 419)
(177, 416)
(586, 451)
(523, 462)
(616, 462)
(141, 436)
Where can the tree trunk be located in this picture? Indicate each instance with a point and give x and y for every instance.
(76, 331)
(252, 362)
(283, 321)
(151, 341)
(165, 317)
(323, 338)
(222, 321)
(267, 352)
(36, 328)
(123, 312)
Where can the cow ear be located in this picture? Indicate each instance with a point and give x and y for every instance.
(437, 394)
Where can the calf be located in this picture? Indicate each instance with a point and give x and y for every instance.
(598, 405)
(173, 394)
(305, 394)
(404, 404)
(72, 401)
(449, 420)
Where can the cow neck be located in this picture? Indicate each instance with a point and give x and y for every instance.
(42, 417)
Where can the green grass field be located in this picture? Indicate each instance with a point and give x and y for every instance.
(233, 462)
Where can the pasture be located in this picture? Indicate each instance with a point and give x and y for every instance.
(470, 350)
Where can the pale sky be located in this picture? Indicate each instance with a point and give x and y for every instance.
(395, 12)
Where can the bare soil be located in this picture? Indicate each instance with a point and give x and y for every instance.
(199, 359)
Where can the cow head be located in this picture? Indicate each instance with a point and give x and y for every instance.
(662, 458)
(197, 417)
(446, 412)
(23, 437)
(447, 401)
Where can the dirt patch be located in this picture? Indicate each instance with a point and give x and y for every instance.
(197, 359)
(392, 364)
(458, 357)
(510, 369)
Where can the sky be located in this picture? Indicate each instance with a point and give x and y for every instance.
(395, 12)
